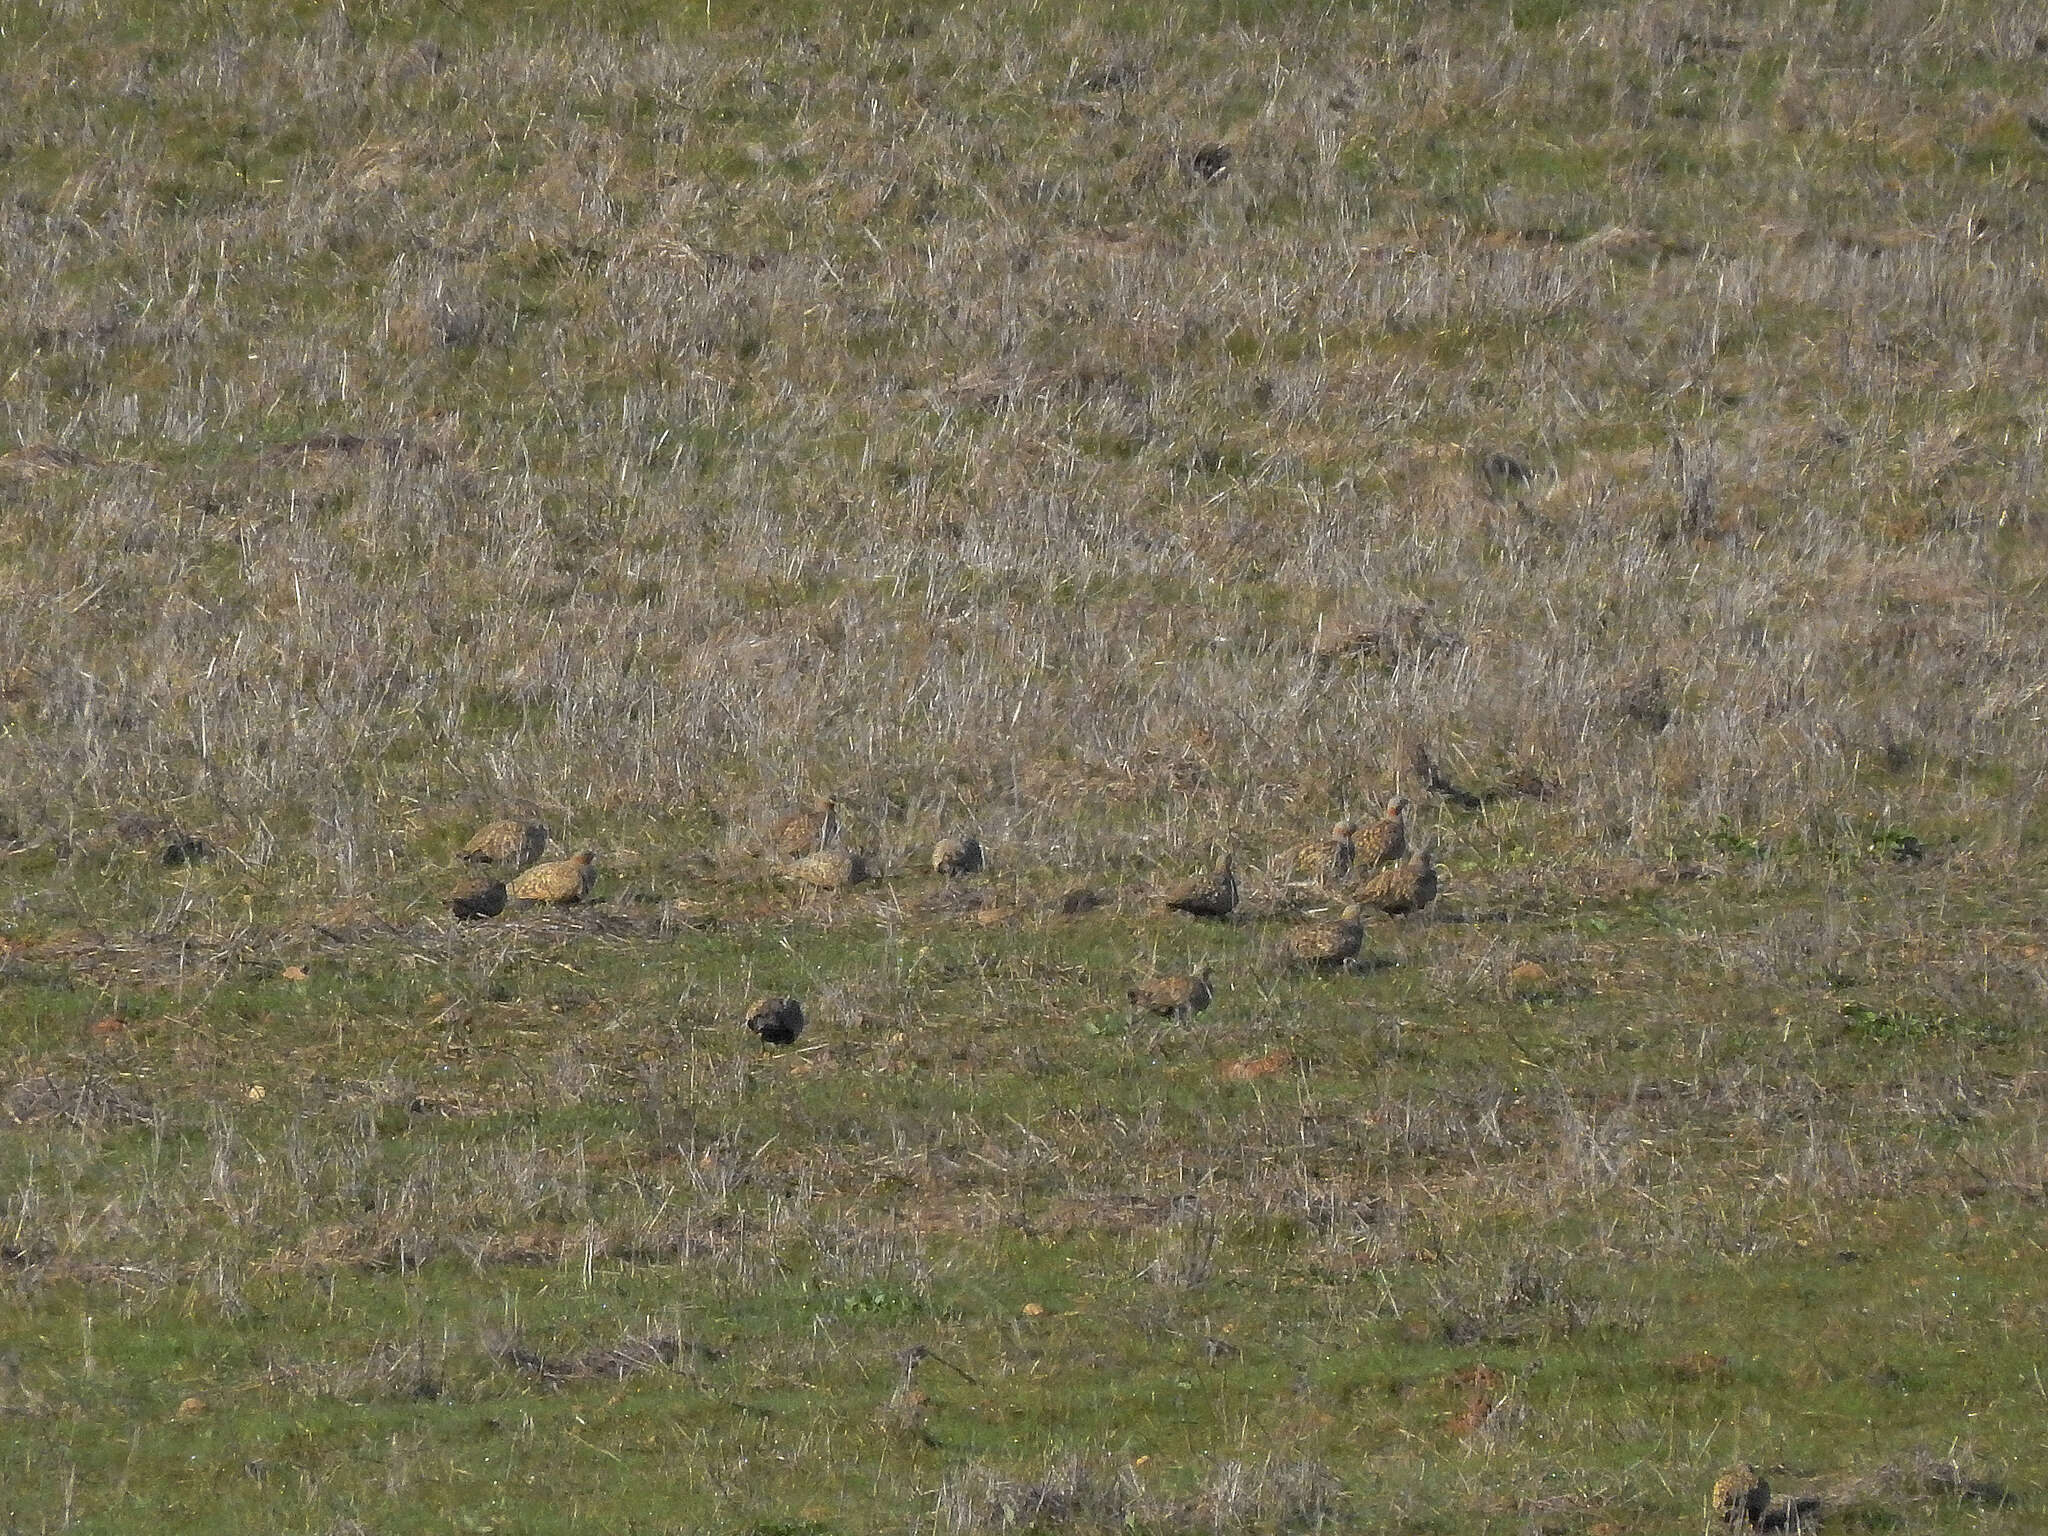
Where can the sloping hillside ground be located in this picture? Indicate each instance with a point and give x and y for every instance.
(1124, 439)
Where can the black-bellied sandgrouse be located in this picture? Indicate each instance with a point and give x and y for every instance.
(1210, 895)
(1739, 1497)
(1384, 841)
(1330, 944)
(477, 897)
(506, 844)
(829, 869)
(952, 856)
(777, 1020)
(1402, 888)
(1326, 860)
(807, 831)
(1177, 997)
(562, 881)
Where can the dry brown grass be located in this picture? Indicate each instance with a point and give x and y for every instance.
(1130, 436)
(1771, 464)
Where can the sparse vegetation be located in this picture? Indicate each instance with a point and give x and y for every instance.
(1114, 441)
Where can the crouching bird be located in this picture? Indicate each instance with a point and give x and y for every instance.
(777, 1020)
(562, 882)
(1174, 997)
(510, 844)
(476, 898)
(829, 869)
(954, 856)
(1329, 945)
(1405, 887)
(1210, 895)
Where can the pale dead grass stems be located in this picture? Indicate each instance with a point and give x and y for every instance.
(787, 548)
(1079, 1494)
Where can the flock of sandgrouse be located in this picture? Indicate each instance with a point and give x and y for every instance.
(1371, 865)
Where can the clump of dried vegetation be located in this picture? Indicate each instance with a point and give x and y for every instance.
(1131, 437)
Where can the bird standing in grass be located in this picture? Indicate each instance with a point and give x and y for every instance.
(1405, 887)
(1328, 859)
(777, 1020)
(829, 869)
(1210, 895)
(1330, 944)
(509, 844)
(1739, 1497)
(807, 831)
(477, 897)
(953, 856)
(1176, 997)
(1385, 841)
(562, 882)
(1422, 766)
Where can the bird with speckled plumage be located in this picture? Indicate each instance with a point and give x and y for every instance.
(561, 882)
(777, 1020)
(506, 844)
(1176, 997)
(1210, 895)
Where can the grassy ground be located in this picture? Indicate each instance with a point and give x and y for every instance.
(647, 418)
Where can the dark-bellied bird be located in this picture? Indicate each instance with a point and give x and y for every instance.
(477, 897)
(1402, 888)
(562, 881)
(1384, 841)
(1739, 1496)
(829, 869)
(777, 1020)
(953, 856)
(1177, 997)
(1330, 944)
(807, 831)
(1210, 895)
(1326, 860)
(509, 844)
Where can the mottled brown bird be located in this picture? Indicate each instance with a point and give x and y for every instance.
(1739, 1497)
(1407, 632)
(1405, 887)
(512, 844)
(830, 869)
(1210, 895)
(1528, 783)
(1384, 841)
(477, 897)
(1331, 646)
(1328, 859)
(562, 881)
(1330, 944)
(1424, 769)
(777, 1020)
(953, 856)
(1177, 997)
(810, 831)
